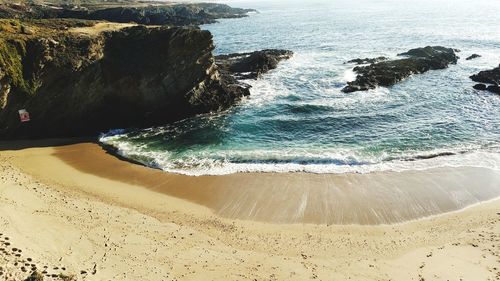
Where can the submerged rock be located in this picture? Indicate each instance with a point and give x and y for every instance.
(75, 85)
(473, 56)
(251, 65)
(367, 60)
(388, 73)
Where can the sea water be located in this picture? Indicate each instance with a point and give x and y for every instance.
(298, 120)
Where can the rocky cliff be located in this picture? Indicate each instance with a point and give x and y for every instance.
(76, 83)
(142, 12)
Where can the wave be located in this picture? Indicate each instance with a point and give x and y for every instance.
(223, 162)
(297, 120)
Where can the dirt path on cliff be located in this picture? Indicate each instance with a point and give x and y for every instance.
(101, 27)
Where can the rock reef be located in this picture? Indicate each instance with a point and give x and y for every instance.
(488, 80)
(388, 73)
(251, 65)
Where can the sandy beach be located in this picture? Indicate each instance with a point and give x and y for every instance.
(76, 210)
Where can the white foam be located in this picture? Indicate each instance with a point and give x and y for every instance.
(306, 161)
(349, 75)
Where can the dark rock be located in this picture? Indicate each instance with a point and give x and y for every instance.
(494, 89)
(488, 76)
(136, 77)
(480, 87)
(388, 73)
(491, 77)
(431, 52)
(251, 65)
(473, 56)
(367, 60)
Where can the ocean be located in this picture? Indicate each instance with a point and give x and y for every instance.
(298, 120)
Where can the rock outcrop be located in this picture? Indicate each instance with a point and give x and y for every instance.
(75, 85)
(473, 56)
(388, 73)
(489, 80)
(251, 65)
(367, 60)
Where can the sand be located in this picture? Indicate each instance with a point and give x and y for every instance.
(100, 28)
(78, 208)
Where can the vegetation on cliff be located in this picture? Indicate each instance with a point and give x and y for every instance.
(149, 13)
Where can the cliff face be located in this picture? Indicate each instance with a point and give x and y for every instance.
(74, 85)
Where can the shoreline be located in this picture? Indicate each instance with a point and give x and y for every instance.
(120, 230)
(379, 198)
(365, 199)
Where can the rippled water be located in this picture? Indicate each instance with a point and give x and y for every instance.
(297, 119)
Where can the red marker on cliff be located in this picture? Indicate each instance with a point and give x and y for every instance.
(24, 115)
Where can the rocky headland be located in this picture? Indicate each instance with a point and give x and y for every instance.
(489, 80)
(142, 12)
(79, 77)
(77, 84)
(389, 72)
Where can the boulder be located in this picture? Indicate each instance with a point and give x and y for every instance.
(480, 87)
(494, 89)
(473, 56)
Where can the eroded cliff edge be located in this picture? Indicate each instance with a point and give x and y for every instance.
(81, 83)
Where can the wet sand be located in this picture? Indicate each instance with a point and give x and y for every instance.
(77, 208)
(376, 198)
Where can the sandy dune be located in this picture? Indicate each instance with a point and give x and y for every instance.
(102, 228)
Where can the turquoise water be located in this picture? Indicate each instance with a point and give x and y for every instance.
(298, 120)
